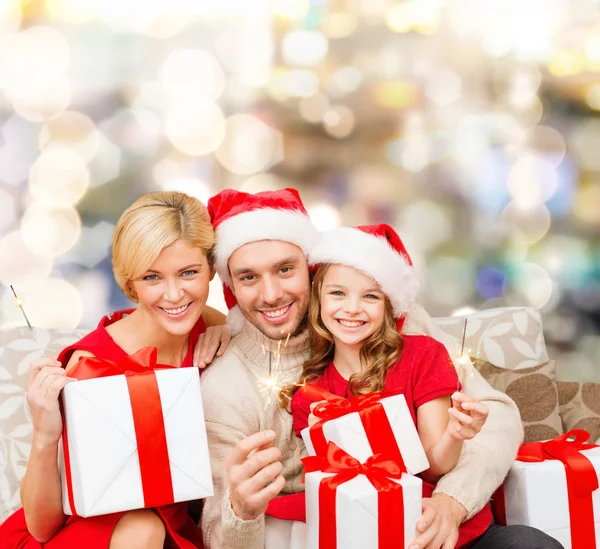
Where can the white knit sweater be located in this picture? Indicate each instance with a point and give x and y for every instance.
(236, 405)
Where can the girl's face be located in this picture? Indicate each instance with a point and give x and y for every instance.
(352, 305)
(174, 289)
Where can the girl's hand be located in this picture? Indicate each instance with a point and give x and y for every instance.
(467, 417)
(45, 380)
(312, 419)
(212, 342)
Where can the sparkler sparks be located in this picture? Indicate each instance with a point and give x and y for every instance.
(19, 303)
(272, 384)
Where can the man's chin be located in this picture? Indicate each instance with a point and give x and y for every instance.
(274, 331)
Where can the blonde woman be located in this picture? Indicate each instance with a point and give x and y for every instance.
(161, 258)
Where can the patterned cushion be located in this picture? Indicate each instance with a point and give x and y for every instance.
(534, 391)
(17, 350)
(509, 337)
(580, 406)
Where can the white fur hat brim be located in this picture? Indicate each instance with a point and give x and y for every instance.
(373, 256)
(262, 224)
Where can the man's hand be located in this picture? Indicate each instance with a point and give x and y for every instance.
(438, 526)
(254, 472)
(211, 343)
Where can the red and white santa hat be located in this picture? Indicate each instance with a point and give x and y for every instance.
(378, 252)
(241, 218)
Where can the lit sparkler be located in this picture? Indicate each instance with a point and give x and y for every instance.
(19, 303)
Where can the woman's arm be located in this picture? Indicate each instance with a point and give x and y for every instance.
(41, 491)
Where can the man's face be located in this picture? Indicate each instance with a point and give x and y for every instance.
(271, 283)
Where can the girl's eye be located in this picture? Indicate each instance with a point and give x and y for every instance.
(338, 293)
(151, 278)
(191, 272)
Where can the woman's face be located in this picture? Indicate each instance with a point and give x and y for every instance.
(174, 289)
(352, 305)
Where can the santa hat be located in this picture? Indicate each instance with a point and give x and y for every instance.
(377, 251)
(240, 218)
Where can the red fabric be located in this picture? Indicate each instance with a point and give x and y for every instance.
(95, 532)
(423, 373)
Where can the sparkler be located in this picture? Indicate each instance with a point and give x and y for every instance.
(271, 385)
(19, 303)
(464, 358)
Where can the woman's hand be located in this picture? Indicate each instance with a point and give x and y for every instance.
(45, 380)
(467, 417)
(312, 419)
(212, 342)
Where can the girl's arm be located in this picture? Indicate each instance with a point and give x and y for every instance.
(443, 429)
(212, 317)
(41, 491)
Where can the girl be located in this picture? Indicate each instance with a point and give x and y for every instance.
(162, 248)
(363, 284)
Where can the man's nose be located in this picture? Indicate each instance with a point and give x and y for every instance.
(272, 291)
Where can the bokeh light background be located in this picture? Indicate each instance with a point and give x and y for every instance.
(472, 126)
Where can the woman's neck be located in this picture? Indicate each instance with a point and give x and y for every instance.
(139, 330)
(346, 359)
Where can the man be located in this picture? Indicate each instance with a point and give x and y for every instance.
(262, 244)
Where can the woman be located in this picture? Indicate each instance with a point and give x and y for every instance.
(162, 248)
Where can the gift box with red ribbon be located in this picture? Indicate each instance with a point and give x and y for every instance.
(356, 505)
(553, 486)
(376, 423)
(133, 436)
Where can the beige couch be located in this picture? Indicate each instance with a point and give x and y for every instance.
(507, 346)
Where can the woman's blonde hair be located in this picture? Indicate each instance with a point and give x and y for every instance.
(153, 222)
(377, 354)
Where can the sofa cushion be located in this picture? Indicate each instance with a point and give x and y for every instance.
(534, 392)
(580, 406)
(509, 337)
(17, 350)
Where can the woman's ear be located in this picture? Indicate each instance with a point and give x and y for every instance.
(212, 272)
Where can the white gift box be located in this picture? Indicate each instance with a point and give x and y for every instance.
(357, 511)
(349, 434)
(105, 469)
(536, 495)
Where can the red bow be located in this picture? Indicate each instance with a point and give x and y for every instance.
(148, 420)
(379, 469)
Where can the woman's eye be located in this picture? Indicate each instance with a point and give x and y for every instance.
(371, 296)
(191, 272)
(151, 278)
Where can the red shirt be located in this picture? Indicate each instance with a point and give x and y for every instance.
(423, 373)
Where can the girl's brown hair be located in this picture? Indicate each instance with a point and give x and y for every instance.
(377, 354)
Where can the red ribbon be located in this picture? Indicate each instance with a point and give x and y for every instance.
(148, 420)
(582, 480)
(372, 415)
(379, 470)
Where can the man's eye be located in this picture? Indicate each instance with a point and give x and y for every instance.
(248, 278)
(285, 270)
(151, 278)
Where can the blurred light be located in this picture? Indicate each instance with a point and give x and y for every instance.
(72, 11)
(106, 164)
(547, 143)
(489, 185)
(216, 299)
(376, 184)
(159, 19)
(584, 144)
(592, 96)
(191, 186)
(93, 246)
(55, 304)
(137, 129)
(250, 145)
(50, 231)
(301, 83)
(18, 149)
(449, 280)
(10, 18)
(262, 182)
(395, 94)
(567, 63)
(290, 9)
(444, 87)
(339, 24)
(41, 103)
(7, 211)
(535, 284)
(346, 80)
(192, 73)
(71, 129)
(324, 217)
(586, 207)
(463, 311)
(313, 108)
(195, 128)
(428, 223)
(413, 15)
(534, 222)
(59, 177)
(304, 48)
(531, 181)
(339, 121)
(491, 282)
(20, 266)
